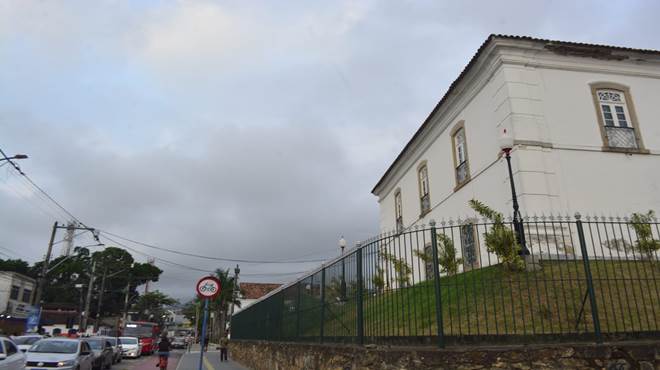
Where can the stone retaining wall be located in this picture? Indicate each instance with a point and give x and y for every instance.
(296, 356)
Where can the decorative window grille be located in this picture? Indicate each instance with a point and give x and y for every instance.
(469, 247)
(428, 265)
(398, 211)
(425, 199)
(616, 118)
(460, 154)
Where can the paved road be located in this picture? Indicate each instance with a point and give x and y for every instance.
(179, 360)
(190, 361)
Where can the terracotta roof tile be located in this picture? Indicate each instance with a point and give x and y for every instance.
(257, 290)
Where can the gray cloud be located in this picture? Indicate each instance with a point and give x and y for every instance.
(249, 131)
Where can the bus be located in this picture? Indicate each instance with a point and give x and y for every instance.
(146, 332)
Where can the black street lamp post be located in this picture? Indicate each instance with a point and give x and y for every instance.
(506, 144)
(342, 245)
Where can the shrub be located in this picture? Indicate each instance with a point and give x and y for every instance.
(401, 269)
(447, 255)
(500, 239)
(642, 224)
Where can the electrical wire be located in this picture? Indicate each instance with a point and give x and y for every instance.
(208, 257)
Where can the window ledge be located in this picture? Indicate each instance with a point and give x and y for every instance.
(625, 150)
(461, 185)
(424, 213)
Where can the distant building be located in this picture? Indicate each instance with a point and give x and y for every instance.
(16, 294)
(251, 292)
(584, 123)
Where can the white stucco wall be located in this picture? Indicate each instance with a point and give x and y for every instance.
(545, 102)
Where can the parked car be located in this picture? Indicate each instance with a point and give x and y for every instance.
(23, 342)
(130, 347)
(11, 358)
(60, 353)
(116, 349)
(103, 353)
(179, 342)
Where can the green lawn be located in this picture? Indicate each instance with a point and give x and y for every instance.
(493, 301)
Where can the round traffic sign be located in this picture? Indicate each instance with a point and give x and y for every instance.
(208, 287)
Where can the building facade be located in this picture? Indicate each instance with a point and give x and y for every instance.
(584, 120)
(16, 294)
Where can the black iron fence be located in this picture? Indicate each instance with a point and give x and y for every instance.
(585, 278)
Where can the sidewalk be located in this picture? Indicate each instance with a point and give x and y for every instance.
(190, 360)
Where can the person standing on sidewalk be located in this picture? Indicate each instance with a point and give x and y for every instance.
(224, 344)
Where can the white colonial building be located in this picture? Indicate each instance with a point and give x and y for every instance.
(16, 294)
(585, 120)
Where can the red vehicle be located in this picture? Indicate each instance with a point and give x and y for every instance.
(146, 332)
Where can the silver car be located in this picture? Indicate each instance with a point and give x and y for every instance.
(26, 341)
(60, 353)
(130, 347)
(116, 348)
(102, 350)
(11, 358)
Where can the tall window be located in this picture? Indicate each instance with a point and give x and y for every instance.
(424, 196)
(461, 163)
(14, 292)
(616, 117)
(398, 211)
(27, 295)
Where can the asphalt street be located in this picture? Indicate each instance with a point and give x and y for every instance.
(180, 360)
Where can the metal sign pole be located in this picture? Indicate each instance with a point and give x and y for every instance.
(203, 337)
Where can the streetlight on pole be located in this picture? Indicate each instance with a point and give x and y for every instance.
(16, 156)
(342, 245)
(506, 144)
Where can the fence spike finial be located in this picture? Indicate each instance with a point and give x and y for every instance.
(443, 222)
(535, 217)
(432, 222)
(578, 216)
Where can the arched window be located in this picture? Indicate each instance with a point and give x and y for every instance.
(398, 211)
(424, 192)
(616, 117)
(460, 153)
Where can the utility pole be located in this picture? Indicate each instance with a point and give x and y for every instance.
(83, 326)
(128, 292)
(98, 306)
(44, 268)
(68, 239)
(234, 294)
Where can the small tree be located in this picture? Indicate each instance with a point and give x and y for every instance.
(642, 224)
(447, 255)
(500, 239)
(379, 279)
(401, 269)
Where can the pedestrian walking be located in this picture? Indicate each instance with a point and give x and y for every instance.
(206, 343)
(224, 346)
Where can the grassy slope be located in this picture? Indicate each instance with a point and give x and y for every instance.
(493, 301)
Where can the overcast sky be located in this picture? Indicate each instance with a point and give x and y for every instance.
(251, 130)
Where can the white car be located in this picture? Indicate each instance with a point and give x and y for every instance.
(24, 342)
(60, 353)
(11, 358)
(130, 347)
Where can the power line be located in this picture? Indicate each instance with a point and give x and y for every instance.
(208, 257)
(18, 169)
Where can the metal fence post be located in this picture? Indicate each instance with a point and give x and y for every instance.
(436, 285)
(590, 283)
(322, 303)
(298, 311)
(360, 292)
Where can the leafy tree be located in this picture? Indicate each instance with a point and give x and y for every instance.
(17, 265)
(151, 306)
(500, 239)
(641, 223)
(222, 303)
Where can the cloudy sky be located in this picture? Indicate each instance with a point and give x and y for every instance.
(249, 130)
